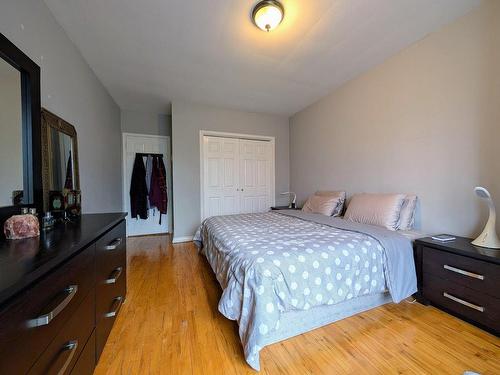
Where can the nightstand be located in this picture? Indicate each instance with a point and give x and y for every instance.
(461, 279)
(277, 208)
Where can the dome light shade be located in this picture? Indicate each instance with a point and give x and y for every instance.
(268, 14)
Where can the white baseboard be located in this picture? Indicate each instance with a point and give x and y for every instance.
(182, 239)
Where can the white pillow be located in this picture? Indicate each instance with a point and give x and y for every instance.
(337, 211)
(382, 210)
(321, 205)
(407, 217)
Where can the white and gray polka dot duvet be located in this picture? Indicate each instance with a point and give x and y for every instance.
(270, 263)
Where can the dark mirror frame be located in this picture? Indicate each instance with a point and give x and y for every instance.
(32, 153)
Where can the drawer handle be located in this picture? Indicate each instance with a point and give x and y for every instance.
(114, 244)
(463, 272)
(117, 304)
(114, 276)
(462, 302)
(70, 348)
(45, 319)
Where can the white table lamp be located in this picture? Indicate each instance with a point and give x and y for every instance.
(488, 238)
(294, 199)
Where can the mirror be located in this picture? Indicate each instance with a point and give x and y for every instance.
(60, 161)
(13, 190)
(20, 153)
(60, 174)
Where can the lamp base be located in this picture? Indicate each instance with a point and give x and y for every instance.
(487, 240)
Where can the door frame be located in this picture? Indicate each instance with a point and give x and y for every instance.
(169, 173)
(251, 137)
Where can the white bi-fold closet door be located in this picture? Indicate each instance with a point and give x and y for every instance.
(237, 176)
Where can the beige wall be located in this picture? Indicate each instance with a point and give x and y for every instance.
(146, 123)
(70, 89)
(187, 121)
(426, 121)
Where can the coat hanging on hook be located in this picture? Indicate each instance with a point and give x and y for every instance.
(158, 192)
(138, 190)
(148, 188)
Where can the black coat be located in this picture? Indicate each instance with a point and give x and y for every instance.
(139, 190)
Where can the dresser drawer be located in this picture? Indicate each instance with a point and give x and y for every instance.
(111, 281)
(462, 300)
(110, 251)
(107, 289)
(86, 362)
(472, 273)
(63, 352)
(111, 270)
(34, 318)
(106, 322)
(111, 267)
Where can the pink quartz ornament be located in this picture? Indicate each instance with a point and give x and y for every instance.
(21, 226)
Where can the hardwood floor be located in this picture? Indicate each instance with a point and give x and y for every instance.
(170, 325)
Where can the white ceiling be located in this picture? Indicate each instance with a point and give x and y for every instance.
(150, 52)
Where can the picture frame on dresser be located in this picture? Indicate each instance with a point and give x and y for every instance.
(460, 279)
(31, 131)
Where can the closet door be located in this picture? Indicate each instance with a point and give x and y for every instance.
(255, 176)
(221, 173)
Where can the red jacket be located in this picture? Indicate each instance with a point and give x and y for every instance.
(158, 190)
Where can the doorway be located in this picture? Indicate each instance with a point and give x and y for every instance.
(143, 143)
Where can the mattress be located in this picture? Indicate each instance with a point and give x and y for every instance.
(272, 266)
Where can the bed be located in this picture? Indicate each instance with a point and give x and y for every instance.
(287, 272)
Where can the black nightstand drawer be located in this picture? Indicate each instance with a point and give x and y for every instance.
(463, 301)
(461, 278)
(472, 273)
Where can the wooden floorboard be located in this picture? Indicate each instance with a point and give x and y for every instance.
(170, 325)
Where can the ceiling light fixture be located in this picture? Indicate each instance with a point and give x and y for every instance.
(268, 14)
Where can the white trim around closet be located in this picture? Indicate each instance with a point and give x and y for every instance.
(211, 133)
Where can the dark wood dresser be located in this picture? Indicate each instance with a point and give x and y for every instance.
(461, 279)
(60, 294)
